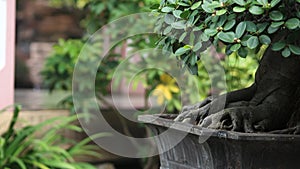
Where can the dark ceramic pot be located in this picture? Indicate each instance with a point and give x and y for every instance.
(216, 149)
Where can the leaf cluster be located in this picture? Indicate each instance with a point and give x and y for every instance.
(99, 12)
(243, 26)
(41, 146)
(59, 67)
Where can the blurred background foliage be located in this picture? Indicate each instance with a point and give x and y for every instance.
(100, 12)
(45, 145)
(59, 66)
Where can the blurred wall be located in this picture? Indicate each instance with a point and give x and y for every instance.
(38, 22)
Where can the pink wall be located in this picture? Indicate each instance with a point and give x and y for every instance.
(7, 74)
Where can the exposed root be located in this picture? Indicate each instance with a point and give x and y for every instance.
(292, 130)
(270, 104)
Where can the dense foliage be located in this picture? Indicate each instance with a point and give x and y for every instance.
(242, 26)
(100, 12)
(58, 75)
(42, 145)
(59, 67)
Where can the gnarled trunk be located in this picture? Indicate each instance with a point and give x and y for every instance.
(271, 103)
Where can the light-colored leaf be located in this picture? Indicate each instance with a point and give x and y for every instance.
(252, 42)
(264, 39)
(238, 9)
(256, 10)
(240, 29)
(295, 49)
(226, 36)
(292, 23)
(196, 5)
(276, 15)
(286, 52)
(277, 46)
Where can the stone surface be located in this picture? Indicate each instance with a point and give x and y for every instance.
(39, 51)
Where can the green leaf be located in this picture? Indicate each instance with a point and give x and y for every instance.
(240, 2)
(177, 13)
(155, 6)
(198, 28)
(222, 20)
(264, 39)
(192, 38)
(167, 9)
(167, 30)
(251, 27)
(193, 69)
(292, 23)
(197, 46)
(261, 27)
(210, 32)
(230, 24)
(169, 19)
(19, 162)
(193, 59)
(256, 10)
(226, 36)
(274, 2)
(239, 9)
(207, 8)
(235, 47)
(214, 4)
(181, 38)
(185, 14)
(243, 52)
(221, 12)
(277, 24)
(272, 29)
(177, 104)
(277, 46)
(252, 42)
(181, 51)
(231, 17)
(183, 4)
(204, 37)
(59, 164)
(227, 50)
(196, 5)
(298, 14)
(245, 39)
(240, 29)
(179, 25)
(172, 1)
(286, 52)
(263, 2)
(294, 49)
(276, 15)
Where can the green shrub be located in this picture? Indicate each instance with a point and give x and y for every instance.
(59, 67)
(25, 149)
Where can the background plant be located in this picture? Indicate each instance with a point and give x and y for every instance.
(41, 145)
(58, 75)
(239, 73)
(59, 68)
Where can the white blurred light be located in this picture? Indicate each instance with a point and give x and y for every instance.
(3, 24)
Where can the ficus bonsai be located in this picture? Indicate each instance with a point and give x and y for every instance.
(272, 102)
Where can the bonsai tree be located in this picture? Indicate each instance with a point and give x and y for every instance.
(271, 27)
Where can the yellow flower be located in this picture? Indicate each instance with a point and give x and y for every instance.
(164, 90)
